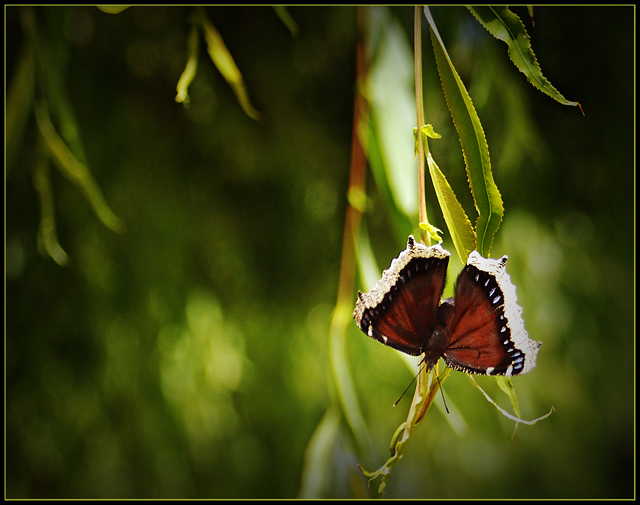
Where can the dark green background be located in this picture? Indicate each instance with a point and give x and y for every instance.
(187, 357)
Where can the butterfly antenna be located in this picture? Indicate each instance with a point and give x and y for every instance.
(442, 391)
(412, 381)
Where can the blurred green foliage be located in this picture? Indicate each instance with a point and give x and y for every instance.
(188, 356)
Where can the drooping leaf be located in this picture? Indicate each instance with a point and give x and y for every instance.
(507, 387)
(390, 91)
(50, 65)
(516, 418)
(224, 62)
(343, 381)
(368, 134)
(19, 104)
(317, 470)
(190, 69)
(74, 170)
(287, 19)
(485, 193)
(367, 267)
(507, 26)
(462, 234)
(47, 236)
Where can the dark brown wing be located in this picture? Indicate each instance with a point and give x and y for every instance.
(400, 310)
(486, 333)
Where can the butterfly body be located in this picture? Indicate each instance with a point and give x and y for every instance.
(480, 330)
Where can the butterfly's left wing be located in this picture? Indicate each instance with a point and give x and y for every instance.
(486, 332)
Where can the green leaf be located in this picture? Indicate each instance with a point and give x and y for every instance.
(433, 233)
(485, 193)
(74, 170)
(286, 18)
(517, 418)
(342, 378)
(390, 91)
(367, 267)
(429, 382)
(508, 27)
(19, 104)
(190, 69)
(222, 59)
(462, 234)
(50, 65)
(47, 236)
(113, 9)
(427, 133)
(317, 468)
(507, 387)
(368, 134)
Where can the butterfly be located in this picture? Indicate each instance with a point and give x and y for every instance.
(480, 330)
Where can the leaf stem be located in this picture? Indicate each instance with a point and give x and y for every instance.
(417, 50)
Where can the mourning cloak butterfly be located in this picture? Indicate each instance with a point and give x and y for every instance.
(480, 330)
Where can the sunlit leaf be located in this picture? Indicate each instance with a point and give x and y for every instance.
(434, 234)
(225, 64)
(507, 387)
(474, 145)
(462, 234)
(428, 131)
(190, 69)
(506, 26)
(392, 103)
(368, 136)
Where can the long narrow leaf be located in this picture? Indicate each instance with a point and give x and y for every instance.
(507, 387)
(506, 26)
(226, 65)
(342, 378)
(485, 193)
(389, 88)
(47, 236)
(462, 234)
(287, 19)
(190, 69)
(19, 105)
(74, 170)
(316, 471)
(506, 414)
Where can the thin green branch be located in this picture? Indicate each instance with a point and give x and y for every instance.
(417, 49)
